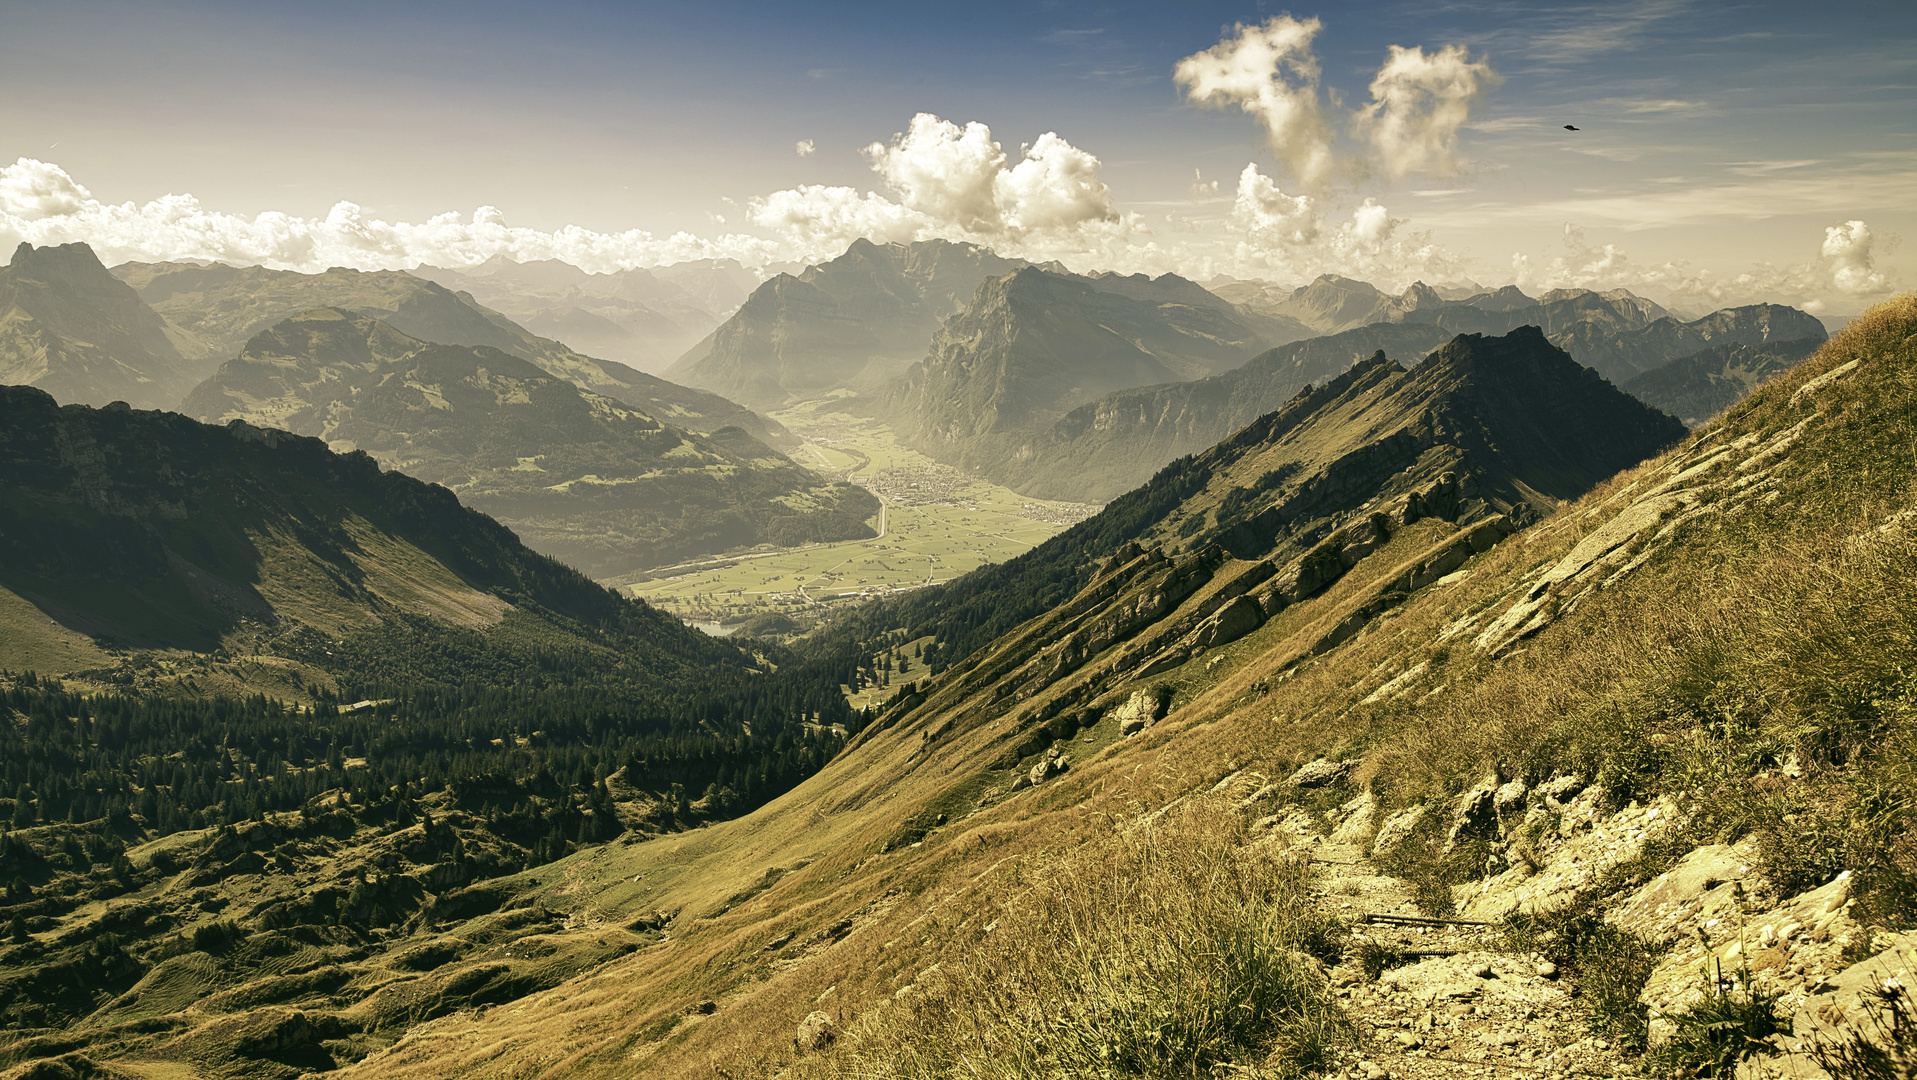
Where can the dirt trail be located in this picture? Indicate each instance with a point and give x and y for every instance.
(1479, 1012)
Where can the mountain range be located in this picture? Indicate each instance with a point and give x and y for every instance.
(578, 475)
(855, 321)
(645, 318)
(1109, 445)
(1033, 344)
(222, 307)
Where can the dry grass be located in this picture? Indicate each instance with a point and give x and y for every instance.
(1168, 950)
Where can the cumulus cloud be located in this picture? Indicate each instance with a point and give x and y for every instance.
(1056, 186)
(1269, 71)
(1268, 213)
(804, 147)
(33, 190)
(1418, 103)
(816, 218)
(1419, 100)
(1293, 238)
(944, 171)
(1847, 254)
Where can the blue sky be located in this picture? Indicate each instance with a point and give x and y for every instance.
(1724, 137)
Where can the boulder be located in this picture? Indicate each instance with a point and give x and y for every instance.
(1396, 829)
(1476, 816)
(1231, 622)
(816, 1032)
(1045, 769)
(1319, 773)
(1509, 797)
(1139, 712)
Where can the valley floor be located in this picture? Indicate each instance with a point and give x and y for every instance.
(937, 523)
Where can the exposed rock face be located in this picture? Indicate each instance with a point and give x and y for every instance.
(855, 321)
(1319, 773)
(1033, 344)
(1138, 712)
(70, 328)
(1396, 829)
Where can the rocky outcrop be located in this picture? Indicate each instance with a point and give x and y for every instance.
(816, 1032)
(1139, 712)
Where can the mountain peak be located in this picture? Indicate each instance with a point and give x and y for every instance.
(64, 262)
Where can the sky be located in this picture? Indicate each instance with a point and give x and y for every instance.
(1725, 152)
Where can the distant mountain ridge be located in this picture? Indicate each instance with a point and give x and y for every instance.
(580, 476)
(153, 530)
(644, 318)
(69, 327)
(223, 307)
(1697, 387)
(1108, 446)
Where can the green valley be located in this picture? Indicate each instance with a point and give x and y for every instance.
(937, 523)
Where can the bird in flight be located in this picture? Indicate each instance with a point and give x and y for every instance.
(1571, 127)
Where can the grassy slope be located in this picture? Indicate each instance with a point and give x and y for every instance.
(1724, 650)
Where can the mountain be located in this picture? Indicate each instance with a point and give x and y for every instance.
(635, 317)
(1106, 447)
(1033, 344)
(853, 322)
(578, 475)
(1623, 356)
(1333, 304)
(72, 329)
(1697, 387)
(994, 869)
(222, 307)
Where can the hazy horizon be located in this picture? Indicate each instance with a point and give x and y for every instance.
(1724, 155)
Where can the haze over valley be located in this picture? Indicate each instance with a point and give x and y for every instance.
(1032, 542)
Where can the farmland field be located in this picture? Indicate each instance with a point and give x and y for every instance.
(937, 523)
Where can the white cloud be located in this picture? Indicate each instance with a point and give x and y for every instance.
(805, 147)
(817, 218)
(41, 204)
(1847, 255)
(1270, 214)
(944, 171)
(33, 190)
(1056, 186)
(1270, 72)
(1418, 103)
